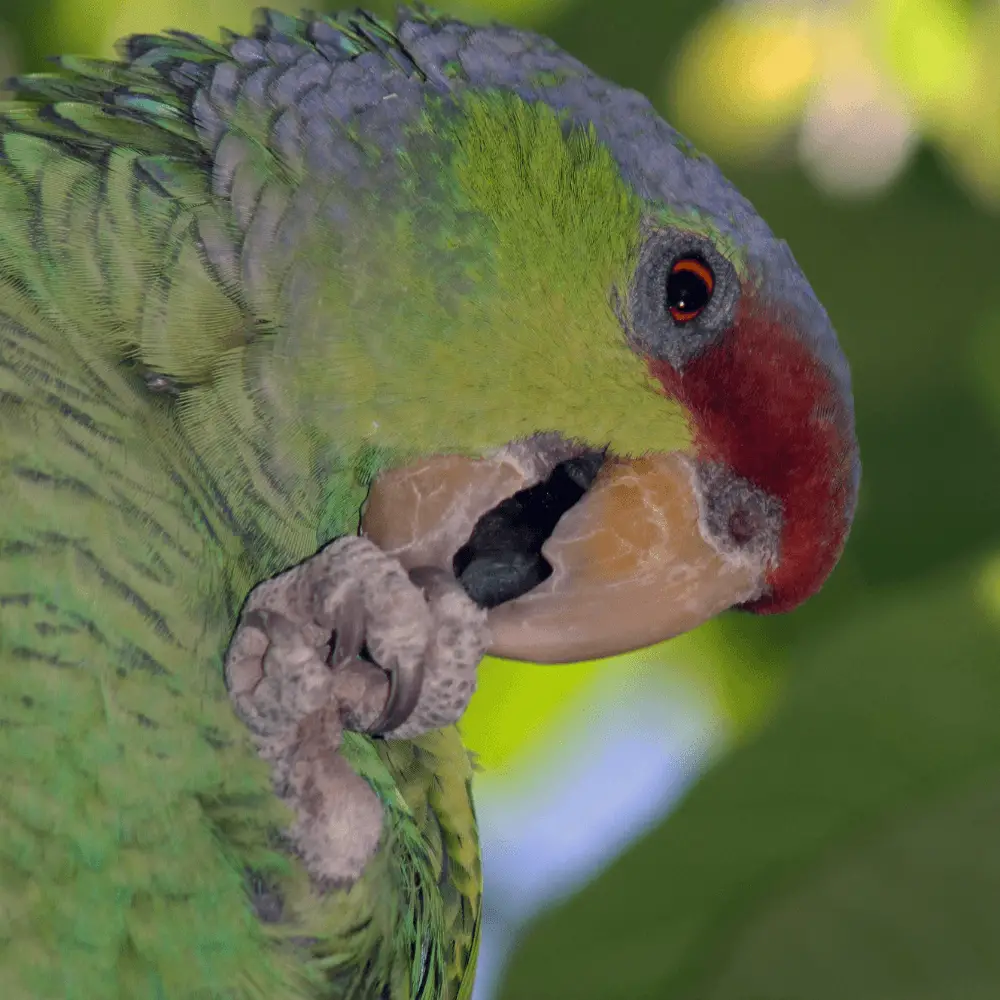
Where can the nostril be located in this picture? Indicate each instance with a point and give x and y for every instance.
(736, 514)
(744, 525)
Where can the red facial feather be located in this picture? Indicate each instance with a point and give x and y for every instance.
(763, 405)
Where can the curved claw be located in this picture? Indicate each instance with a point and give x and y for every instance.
(457, 639)
(404, 694)
(405, 683)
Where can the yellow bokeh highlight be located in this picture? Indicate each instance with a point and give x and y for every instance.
(944, 55)
(743, 79)
(930, 46)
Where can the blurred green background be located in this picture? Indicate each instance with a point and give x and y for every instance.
(793, 808)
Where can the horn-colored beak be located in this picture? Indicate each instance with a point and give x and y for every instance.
(633, 562)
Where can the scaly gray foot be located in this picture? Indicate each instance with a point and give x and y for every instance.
(296, 677)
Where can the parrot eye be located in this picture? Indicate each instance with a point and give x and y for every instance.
(683, 298)
(689, 288)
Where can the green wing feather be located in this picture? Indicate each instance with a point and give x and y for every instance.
(138, 511)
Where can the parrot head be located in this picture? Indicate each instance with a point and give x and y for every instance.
(615, 404)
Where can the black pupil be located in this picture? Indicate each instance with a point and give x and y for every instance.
(687, 292)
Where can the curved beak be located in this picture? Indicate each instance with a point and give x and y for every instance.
(640, 558)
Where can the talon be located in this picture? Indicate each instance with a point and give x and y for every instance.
(404, 694)
(459, 637)
(405, 684)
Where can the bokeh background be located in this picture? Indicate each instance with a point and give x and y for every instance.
(805, 807)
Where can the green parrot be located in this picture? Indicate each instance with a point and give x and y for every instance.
(333, 357)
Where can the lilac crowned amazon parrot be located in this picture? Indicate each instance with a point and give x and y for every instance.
(332, 357)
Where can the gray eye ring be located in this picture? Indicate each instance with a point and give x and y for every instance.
(653, 328)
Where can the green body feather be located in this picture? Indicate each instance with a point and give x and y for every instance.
(135, 810)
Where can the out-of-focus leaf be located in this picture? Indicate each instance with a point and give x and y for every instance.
(848, 851)
(520, 707)
(101, 23)
(524, 13)
(631, 42)
(989, 588)
(984, 362)
(517, 704)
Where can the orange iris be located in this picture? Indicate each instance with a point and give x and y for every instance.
(691, 273)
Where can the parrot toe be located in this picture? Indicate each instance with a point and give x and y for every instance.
(459, 637)
(303, 636)
(348, 639)
(339, 817)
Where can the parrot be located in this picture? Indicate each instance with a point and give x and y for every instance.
(334, 357)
